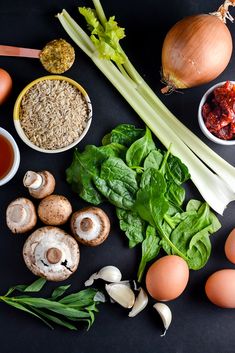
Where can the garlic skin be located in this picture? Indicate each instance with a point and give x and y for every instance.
(108, 273)
(140, 303)
(165, 314)
(121, 293)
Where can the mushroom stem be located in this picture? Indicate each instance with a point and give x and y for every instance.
(54, 255)
(32, 180)
(86, 224)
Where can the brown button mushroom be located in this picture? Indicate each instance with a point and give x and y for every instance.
(54, 210)
(90, 226)
(21, 215)
(51, 253)
(40, 184)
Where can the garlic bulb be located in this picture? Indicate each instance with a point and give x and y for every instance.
(107, 273)
(166, 315)
(140, 303)
(121, 293)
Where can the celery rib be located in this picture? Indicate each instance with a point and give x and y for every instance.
(213, 188)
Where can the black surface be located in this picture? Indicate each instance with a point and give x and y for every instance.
(197, 325)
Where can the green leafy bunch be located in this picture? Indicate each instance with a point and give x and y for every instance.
(59, 309)
(145, 184)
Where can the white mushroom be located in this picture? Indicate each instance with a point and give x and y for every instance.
(40, 184)
(51, 253)
(21, 215)
(54, 210)
(90, 226)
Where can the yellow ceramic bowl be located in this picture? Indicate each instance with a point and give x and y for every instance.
(16, 111)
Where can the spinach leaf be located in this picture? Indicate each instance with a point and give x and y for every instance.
(191, 236)
(132, 225)
(117, 182)
(150, 249)
(85, 166)
(151, 203)
(153, 160)
(124, 134)
(175, 193)
(175, 170)
(139, 149)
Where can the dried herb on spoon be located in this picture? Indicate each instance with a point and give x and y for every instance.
(59, 309)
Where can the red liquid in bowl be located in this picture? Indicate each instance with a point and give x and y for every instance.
(6, 156)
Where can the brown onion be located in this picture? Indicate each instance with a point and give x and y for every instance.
(197, 49)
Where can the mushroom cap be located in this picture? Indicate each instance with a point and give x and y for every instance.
(46, 188)
(51, 253)
(90, 226)
(54, 210)
(21, 215)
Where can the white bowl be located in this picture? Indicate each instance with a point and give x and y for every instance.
(16, 113)
(202, 125)
(16, 161)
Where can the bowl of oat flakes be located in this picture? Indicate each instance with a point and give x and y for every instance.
(52, 114)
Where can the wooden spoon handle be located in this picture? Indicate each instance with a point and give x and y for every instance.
(6, 50)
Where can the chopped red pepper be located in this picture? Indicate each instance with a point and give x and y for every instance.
(219, 112)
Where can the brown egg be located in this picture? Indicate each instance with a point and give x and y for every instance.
(5, 85)
(167, 278)
(220, 288)
(229, 247)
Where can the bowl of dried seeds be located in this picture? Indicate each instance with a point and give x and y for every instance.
(52, 114)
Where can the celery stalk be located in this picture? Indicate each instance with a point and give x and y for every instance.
(213, 188)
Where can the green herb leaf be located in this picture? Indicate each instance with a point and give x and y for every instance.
(150, 249)
(117, 182)
(59, 291)
(139, 150)
(21, 307)
(153, 160)
(56, 320)
(124, 134)
(132, 225)
(81, 299)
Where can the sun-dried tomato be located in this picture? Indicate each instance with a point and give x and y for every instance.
(219, 112)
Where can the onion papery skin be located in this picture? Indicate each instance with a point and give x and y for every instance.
(195, 51)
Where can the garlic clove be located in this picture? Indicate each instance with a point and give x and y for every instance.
(99, 297)
(140, 303)
(107, 273)
(121, 293)
(165, 314)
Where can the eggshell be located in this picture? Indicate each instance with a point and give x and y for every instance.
(220, 288)
(167, 278)
(229, 247)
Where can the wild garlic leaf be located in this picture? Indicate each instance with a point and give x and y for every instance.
(133, 226)
(80, 299)
(117, 182)
(34, 287)
(139, 150)
(59, 291)
(124, 134)
(21, 307)
(150, 249)
(56, 320)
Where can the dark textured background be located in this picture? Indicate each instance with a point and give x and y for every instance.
(197, 325)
